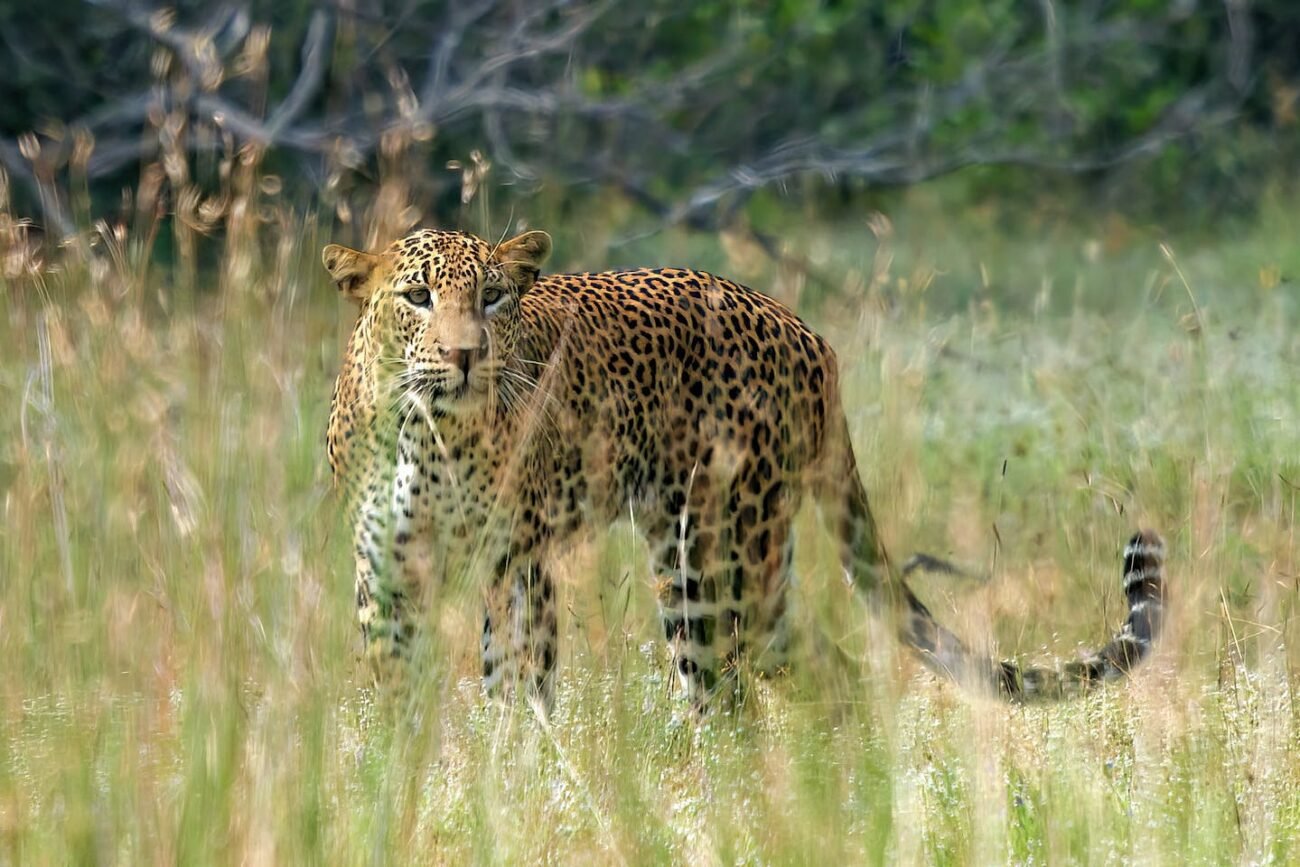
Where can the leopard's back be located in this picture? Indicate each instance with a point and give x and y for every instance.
(679, 369)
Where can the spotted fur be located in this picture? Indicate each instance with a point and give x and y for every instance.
(484, 415)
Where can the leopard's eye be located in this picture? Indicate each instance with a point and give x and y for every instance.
(491, 295)
(419, 296)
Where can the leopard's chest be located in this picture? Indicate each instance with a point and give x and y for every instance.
(455, 491)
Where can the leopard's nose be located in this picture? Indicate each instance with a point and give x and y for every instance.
(462, 357)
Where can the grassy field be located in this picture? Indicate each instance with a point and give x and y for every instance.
(179, 678)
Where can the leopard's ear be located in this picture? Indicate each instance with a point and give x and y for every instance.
(521, 257)
(351, 270)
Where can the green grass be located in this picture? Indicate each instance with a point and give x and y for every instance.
(180, 680)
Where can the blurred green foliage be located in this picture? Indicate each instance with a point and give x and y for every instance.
(1185, 106)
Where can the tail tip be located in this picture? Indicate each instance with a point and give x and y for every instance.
(1145, 544)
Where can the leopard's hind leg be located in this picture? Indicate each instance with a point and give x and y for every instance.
(724, 578)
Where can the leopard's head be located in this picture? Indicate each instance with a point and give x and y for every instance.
(443, 309)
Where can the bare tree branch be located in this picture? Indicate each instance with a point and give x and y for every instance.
(314, 49)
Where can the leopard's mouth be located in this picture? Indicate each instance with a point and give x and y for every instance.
(446, 394)
(464, 396)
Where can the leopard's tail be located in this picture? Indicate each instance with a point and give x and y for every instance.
(867, 567)
(1144, 588)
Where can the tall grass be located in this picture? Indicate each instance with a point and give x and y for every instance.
(180, 679)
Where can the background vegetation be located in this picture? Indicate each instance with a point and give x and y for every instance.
(1054, 246)
(689, 111)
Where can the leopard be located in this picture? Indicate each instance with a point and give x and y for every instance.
(485, 415)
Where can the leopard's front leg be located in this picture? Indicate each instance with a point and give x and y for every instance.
(393, 561)
(519, 631)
